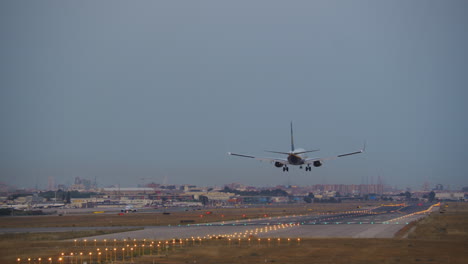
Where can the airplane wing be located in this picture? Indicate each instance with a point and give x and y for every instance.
(310, 161)
(282, 161)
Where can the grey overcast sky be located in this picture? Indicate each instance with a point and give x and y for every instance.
(125, 90)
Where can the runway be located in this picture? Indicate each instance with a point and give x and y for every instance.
(381, 222)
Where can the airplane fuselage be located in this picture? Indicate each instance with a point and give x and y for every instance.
(296, 159)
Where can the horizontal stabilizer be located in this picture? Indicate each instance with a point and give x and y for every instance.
(278, 152)
(306, 151)
(289, 153)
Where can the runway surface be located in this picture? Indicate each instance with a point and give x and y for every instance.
(380, 222)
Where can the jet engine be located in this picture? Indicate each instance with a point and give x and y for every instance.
(317, 163)
(278, 164)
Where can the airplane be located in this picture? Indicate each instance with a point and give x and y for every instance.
(296, 157)
(128, 208)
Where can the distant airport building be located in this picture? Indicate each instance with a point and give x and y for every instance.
(126, 191)
(450, 196)
(349, 189)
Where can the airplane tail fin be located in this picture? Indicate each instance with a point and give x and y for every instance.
(292, 147)
(292, 138)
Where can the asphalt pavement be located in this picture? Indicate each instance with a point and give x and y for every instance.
(378, 223)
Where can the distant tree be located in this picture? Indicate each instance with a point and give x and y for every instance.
(431, 196)
(226, 189)
(6, 211)
(15, 196)
(309, 198)
(408, 195)
(68, 199)
(203, 199)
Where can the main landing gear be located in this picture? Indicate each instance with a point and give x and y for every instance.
(285, 168)
(308, 168)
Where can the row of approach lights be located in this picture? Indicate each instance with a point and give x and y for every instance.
(112, 254)
(140, 249)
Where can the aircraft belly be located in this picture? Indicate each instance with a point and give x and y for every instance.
(294, 160)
